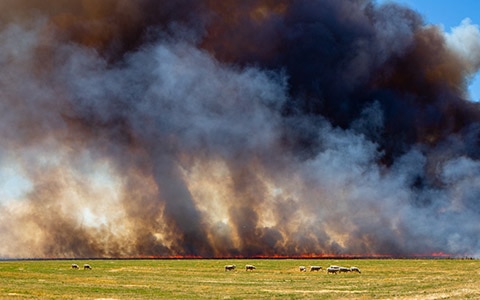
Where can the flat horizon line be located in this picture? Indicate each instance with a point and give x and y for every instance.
(322, 257)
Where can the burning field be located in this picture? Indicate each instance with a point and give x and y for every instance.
(202, 128)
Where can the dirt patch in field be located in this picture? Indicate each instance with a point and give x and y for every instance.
(118, 270)
(135, 286)
(313, 292)
(445, 295)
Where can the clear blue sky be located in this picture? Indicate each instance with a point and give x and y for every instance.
(448, 13)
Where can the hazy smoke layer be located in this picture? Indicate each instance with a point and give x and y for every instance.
(235, 128)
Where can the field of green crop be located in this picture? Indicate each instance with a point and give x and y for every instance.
(272, 279)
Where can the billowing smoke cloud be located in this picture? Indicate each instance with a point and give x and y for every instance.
(465, 41)
(235, 129)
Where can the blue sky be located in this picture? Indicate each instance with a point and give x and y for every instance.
(448, 13)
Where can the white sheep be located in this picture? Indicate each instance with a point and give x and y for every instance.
(315, 268)
(355, 269)
(333, 269)
(344, 270)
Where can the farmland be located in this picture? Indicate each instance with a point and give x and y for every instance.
(207, 279)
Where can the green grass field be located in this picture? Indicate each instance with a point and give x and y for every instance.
(273, 279)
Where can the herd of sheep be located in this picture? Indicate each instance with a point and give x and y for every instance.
(85, 266)
(334, 269)
(330, 270)
(233, 267)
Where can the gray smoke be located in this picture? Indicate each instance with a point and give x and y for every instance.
(261, 128)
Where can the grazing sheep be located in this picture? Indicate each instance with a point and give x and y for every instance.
(87, 267)
(355, 269)
(230, 267)
(75, 266)
(303, 269)
(344, 270)
(333, 269)
(315, 268)
(249, 267)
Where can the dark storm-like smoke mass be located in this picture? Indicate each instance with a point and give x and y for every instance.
(236, 129)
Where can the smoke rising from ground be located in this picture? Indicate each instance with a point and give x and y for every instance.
(221, 129)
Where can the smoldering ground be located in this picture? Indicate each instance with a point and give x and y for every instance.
(228, 128)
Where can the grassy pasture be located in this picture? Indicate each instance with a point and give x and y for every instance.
(273, 279)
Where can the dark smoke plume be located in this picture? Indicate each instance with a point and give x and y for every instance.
(235, 129)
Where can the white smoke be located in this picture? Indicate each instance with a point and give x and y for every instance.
(464, 41)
